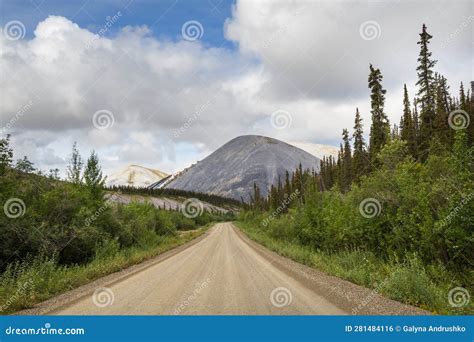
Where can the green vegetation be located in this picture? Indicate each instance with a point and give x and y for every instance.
(26, 283)
(398, 212)
(57, 235)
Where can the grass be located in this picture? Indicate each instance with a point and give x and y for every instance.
(27, 283)
(407, 281)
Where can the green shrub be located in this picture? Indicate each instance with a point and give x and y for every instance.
(409, 282)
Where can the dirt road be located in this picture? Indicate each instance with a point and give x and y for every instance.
(225, 273)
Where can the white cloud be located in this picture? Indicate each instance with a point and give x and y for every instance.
(314, 48)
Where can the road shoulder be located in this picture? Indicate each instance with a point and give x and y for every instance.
(56, 303)
(352, 298)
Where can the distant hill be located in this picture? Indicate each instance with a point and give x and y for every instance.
(232, 169)
(136, 176)
(317, 150)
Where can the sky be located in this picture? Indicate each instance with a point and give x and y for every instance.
(164, 83)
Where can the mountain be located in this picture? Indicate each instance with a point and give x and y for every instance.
(317, 150)
(135, 175)
(232, 169)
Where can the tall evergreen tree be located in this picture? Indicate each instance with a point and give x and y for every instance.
(93, 177)
(322, 174)
(273, 198)
(280, 194)
(339, 172)
(257, 198)
(380, 128)
(287, 188)
(298, 181)
(346, 162)
(442, 131)
(462, 98)
(425, 93)
(407, 127)
(470, 128)
(359, 160)
(444, 93)
(74, 168)
(416, 118)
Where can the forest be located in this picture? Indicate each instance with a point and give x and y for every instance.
(396, 210)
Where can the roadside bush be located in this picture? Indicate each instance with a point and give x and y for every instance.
(409, 282)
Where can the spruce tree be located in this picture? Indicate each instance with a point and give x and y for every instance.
(443, 132)
(280, 194)
(257, 199)
(359, 160)
(407, 126)
(416, 117)
(346, 162)
(339, 171)
(93, 177)
(322, 174)
(470, 128)
(287, 189)
(273, 198)
(298, 181)
(444, 93)
(462, 98)
(380, 128)
(425, 93)
(302, 182)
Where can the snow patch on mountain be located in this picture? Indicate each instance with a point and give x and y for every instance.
(136, 176)
(317, 150)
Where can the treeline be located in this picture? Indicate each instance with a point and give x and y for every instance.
(70, 221)
(415, 176)
(209, 198)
